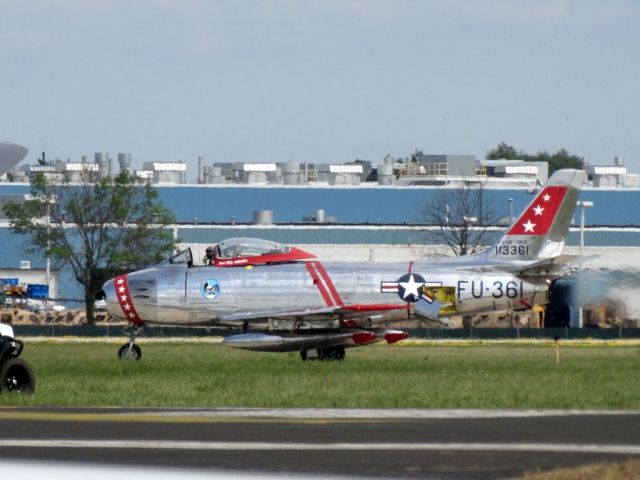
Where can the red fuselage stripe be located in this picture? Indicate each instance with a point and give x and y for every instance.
(332, 288)
(318, 282)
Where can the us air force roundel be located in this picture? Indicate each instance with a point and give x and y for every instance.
(410, 287)
(210, 289)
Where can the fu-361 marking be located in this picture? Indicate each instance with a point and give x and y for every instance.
(497, 288)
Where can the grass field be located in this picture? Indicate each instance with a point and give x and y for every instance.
(434, 376)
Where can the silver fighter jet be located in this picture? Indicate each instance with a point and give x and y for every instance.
(295, 302)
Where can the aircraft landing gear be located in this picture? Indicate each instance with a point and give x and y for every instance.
(331, 353)
(326, 354)
(131, 351)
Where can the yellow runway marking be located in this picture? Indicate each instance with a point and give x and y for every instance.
(170, 419)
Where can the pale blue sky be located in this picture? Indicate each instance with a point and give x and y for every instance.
(319, 81)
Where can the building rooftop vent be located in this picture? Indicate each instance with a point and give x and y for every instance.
(607, 170)
(145, 174)
(42, 168)
(345, 168)
(165, 166)
(79, 167)
(259, 167)
(518, 169)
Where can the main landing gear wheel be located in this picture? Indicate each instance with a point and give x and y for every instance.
(130, 351)
(326, 354)
(331, 353)
(17, 376)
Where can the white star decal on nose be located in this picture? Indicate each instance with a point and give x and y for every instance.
(538, 209)
(528, 227)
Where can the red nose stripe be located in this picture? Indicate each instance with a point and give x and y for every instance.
(124, 299)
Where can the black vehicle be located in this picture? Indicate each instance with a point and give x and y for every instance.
(15, 374)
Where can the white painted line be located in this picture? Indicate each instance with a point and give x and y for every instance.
(275, 446)
(377, 413)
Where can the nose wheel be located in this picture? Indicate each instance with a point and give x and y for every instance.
(131, 351)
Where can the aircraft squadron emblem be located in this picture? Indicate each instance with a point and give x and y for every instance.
(210, 289)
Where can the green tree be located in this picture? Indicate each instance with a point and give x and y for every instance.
(504, 152)
(99, 229)
(558, 160)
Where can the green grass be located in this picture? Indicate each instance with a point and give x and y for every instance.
(476, 376)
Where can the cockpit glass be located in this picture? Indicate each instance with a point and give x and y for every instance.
(182, 258)
(249, 247)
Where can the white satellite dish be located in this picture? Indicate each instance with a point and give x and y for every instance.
(11, 154)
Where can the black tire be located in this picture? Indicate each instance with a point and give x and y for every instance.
(303, 355)
(330, 354)
(130, 352)
(17, 376)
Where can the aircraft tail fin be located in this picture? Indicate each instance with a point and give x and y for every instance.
(540, 232)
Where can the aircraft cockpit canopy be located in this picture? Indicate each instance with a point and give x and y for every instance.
(183, 257)
(252, 251)
(249, 247)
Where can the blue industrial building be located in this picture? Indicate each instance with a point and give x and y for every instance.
(354, 205)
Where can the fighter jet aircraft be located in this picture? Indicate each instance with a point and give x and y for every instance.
(286, 299)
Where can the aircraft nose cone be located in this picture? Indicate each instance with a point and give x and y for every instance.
(132, 296)
(113, 307)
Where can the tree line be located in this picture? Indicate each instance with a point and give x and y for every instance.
(558, 160)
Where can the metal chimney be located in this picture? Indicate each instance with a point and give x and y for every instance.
(124, 159)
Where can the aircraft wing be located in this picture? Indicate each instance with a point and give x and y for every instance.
(261, 315)
(310, 314)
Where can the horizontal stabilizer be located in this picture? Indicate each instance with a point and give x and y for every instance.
(554, 265)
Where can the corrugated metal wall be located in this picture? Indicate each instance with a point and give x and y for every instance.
(375, 204)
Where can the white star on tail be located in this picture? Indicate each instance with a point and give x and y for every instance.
(538, 210)
(411, 287)
(528, 227)
(546, 197)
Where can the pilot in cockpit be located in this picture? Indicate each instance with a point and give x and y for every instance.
(208, 257)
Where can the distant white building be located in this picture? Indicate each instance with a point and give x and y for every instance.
(166, 172)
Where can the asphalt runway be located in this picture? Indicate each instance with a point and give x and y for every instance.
(443, 444)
